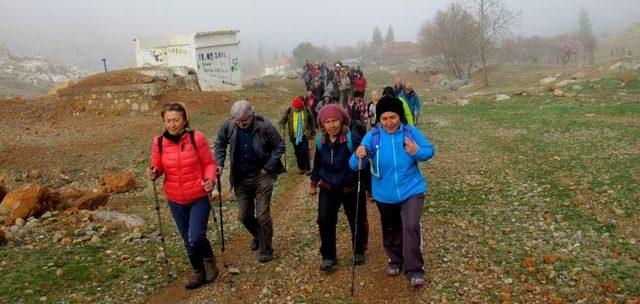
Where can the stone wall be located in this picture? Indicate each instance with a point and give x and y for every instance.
(126, 98)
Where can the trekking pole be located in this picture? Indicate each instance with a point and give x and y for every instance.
(355, 236)
(162, 240)
(219, 184)
(284, 144)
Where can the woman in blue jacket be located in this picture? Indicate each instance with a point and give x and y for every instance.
(393, 149)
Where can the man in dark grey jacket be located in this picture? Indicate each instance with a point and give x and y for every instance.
(255, 148)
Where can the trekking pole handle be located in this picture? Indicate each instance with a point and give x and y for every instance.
(359, 163)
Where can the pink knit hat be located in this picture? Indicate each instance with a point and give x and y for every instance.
(333, 110)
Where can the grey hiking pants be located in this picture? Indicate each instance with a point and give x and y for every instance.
(402, 234)
(253, 193)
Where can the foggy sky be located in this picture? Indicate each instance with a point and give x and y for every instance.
(89, 28)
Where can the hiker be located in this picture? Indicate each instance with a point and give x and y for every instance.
(357, 109)
(412, 99)
(255, 149)
(371, 107)
(344, 86)
(338, 185)
(388, 91)
(393, 149)
(398, 87)
(301, 128)
(184, 158)
(326, 99)
(360, 84)
(310, 102)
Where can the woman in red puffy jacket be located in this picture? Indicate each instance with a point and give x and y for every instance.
(189, 169)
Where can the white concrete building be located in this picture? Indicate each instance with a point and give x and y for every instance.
(213, 55)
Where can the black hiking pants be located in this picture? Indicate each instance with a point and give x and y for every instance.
(329, 203)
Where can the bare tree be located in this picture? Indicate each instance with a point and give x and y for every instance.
(451, 35)
(493, 22)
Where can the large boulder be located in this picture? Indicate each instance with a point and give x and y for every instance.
(29, 200)
(92, 201)
(118, 182)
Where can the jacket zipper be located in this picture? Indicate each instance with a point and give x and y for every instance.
(395, 164)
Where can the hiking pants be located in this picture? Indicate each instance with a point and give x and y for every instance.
(402, 234)
(329, 203)
(302, 153)
(253, 193)
(191, 220)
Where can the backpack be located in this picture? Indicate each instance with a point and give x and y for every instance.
(375, 141)
(320, 141)
(375, 138)
(191, 136)
(262, 128)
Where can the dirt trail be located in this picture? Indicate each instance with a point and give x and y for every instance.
(294, 274)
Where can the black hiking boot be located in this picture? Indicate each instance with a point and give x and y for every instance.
(210, 269)
(328, 264)
(265, 257)
(255, 244)
(359, 259)
(197, 280)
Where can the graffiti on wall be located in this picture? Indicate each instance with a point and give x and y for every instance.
(220, 65)
(153, 57)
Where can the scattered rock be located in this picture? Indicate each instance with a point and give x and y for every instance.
(59, 272)
(91, 201)
(558, 93)
(576, 87)
(501, 97)
(30, 200)
(66, 241)
(566, 82)
(95, 239)
(118, 182)
(461, 101)
(19, 222)
(283, 89)
(547, 81)
(233, 270)
(57, 236)
(549, 259)
(34, 174)
(141, 259)
(117, 218)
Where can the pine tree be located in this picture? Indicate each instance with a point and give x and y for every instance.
(586, 35)
(389, 37)
(376, 39)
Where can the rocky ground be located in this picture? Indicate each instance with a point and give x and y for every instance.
(533, 199)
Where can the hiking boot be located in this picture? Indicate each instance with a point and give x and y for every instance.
(418, 282)
(328, 264)
(210, 269)
(255, 244)
(359, 259)
(198, 279)
(393, 270)
(265, 257)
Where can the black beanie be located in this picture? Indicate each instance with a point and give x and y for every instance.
(390, 104)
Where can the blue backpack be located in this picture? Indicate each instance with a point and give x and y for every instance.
(319, 142)
(375, 142)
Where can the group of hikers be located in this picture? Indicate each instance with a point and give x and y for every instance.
(361, 151)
